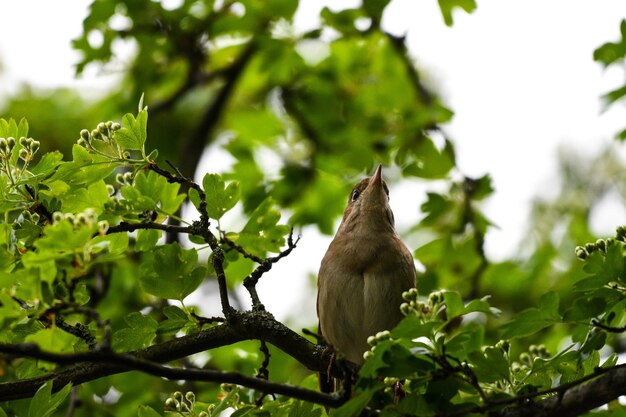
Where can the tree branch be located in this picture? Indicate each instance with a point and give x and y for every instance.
(192, 150)
(575, 400)
(244, 326)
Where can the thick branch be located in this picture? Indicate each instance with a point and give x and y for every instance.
(190, 155)
(244, 326)
(135, 363)
(577, 400)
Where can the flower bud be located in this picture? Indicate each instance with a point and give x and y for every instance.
(102, 128)
(4, 146)
(82, 142)
(34, 146)
(203, 414)
(95, 134)
(81, 219)
(405, 309)
(11, 143)
(84, 134)
(103, 226)
(110, 189)
(119, 178)
(171, 404)
(24, 154)
(581, 253)
(384, 335)
(189, 395)
(371, 340)
(116, 126)
(35, 217)
(109, 124)
(504, 345)
(368, 354)
(23, 142)
(57, 216)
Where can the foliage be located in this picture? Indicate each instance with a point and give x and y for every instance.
(97, 260)
(614, 54)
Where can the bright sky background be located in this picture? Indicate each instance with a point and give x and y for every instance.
(519, 75)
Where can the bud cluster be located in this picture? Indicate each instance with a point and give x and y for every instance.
(182, 403)
(28, 147)
(104, 132)
(424, 310)
(88, 218)
(526, 359)
(602, 245)
(126, 178)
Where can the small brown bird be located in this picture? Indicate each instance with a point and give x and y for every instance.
(364, 272)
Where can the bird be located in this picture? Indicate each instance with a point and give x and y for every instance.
(364, 272)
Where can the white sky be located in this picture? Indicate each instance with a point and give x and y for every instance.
(519, 75)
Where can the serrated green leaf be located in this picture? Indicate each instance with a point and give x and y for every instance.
(262, 234)
(219, 197)
(172, 272)
(133, 134)
(150, 191)
(140, 333)
(95, 196)
(176, 320)
(47, 163)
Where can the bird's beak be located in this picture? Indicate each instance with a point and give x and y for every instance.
(377, 179)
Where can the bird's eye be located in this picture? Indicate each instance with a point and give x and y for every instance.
(355, 195)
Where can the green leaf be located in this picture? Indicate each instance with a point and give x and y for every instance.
(2, 413)
(448, 6)
(610, 52)
(151, 191)
(454, 304)
(262, 234)
(39, 403)
(53, 339)
(356, 403)
(613, 96)
(375, 8)
(490, 365)
(219, 198)
(133, 134)
(116, 243)
(411, 327)
(532, 320)
(176, 320)
(147, 239)
(147, 411)
(43, 404)
(172, 272)
(431, 163)
(47, 163)
(95, 196)
(140, 333)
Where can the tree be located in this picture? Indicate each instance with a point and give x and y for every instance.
(96, 258)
